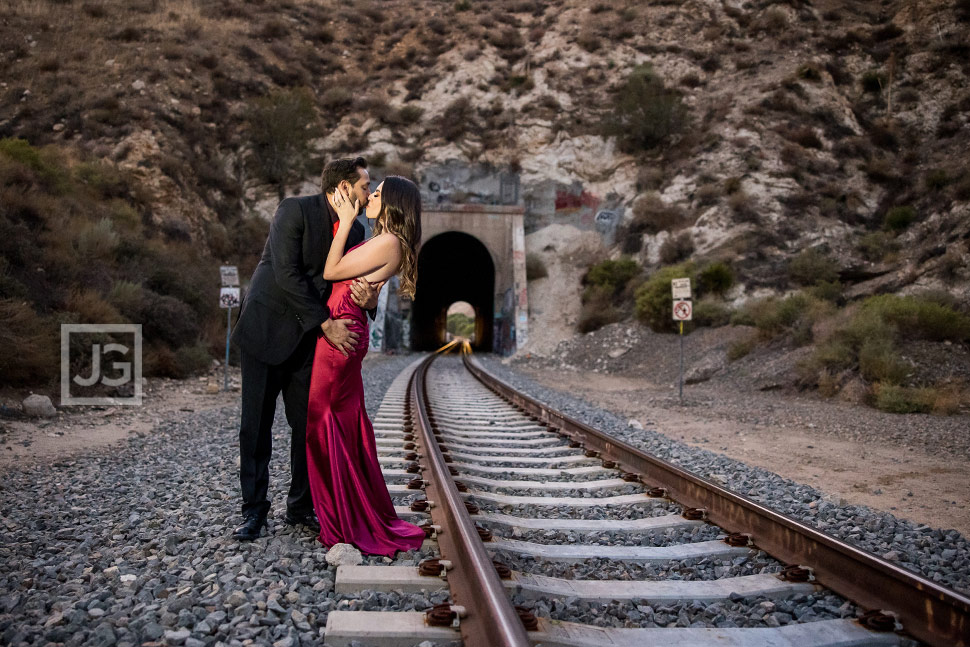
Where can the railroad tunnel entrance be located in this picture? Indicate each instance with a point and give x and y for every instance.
(452, 266)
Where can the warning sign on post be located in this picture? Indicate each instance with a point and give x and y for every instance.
(229, 275)
(682, 310)
(680, 288)
(229, 298)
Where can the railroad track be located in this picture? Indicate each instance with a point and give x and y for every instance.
(531, 510)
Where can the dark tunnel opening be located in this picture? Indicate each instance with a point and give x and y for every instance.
(452, 266)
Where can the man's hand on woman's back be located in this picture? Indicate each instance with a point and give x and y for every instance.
(365, 294)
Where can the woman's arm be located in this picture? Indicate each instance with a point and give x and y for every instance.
(379, 253)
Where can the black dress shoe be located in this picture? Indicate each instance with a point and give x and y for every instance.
(308, 519)
(250, 529)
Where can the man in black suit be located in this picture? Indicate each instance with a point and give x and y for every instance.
(282, 316)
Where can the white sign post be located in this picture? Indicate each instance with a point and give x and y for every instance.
(229, 275)
(228, 299)
(680, 288)
(683, 310)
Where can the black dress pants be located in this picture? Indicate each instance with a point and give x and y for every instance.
(261, 384)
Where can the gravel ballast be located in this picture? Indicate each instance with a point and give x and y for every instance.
(940, 555)
(130, 544)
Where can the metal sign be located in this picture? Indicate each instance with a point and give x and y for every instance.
(680, 288)
(229, 298)
(230, 276)
(682, 311)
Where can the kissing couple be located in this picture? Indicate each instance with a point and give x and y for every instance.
(303, 331)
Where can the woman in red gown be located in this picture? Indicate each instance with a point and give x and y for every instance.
(349, 494)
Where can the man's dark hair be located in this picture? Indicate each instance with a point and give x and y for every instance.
(336, 171)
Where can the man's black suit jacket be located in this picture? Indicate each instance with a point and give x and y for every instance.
(287, 296)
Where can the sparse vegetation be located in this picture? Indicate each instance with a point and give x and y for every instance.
(461, 325)
(899, 218)
(103, 263)
(812, 266)
(280, 127)
(645, 112)
(605, 283)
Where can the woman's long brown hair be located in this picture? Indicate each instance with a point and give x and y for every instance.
(401, 215)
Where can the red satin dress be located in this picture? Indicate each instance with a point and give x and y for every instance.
(349, 494)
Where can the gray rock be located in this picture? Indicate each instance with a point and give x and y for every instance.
(39, 406)
(153, 631)
(236, 598)
(705, 369)
(344, 554)
(177, 637)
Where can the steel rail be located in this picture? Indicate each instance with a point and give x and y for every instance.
(491, 620)
(934, 614)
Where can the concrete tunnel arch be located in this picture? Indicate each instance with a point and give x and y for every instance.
(452, 266)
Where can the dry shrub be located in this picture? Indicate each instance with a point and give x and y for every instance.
(804, 137)
(676, 248)
(29, 347)
(742, 348)
(90, 307)
(774, 21)
(651, 215)
(743, 207)
(707, 195)
(598, 310)
(950, 398)
(457, 119)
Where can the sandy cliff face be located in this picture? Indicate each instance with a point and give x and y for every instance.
(808, 122)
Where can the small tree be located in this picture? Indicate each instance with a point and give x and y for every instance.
(645, 112)
(280, 126)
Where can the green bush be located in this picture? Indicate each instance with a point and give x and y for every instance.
(880, 362)
(794, 315)
(917, 317)
(711, 313)
(97, 241)
(612, 275)
(899, 399)
(645, 112)
(876, 246)
(899, 218)
(827, 291)
(193, 360)
(280, 126)
(461, 325)
(716, 278)
(811, 267)
(652, 304)
(46, 164)
(869, 338)
(170, 321)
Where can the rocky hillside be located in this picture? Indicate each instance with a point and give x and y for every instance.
(771, 127)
